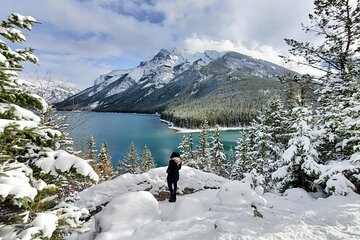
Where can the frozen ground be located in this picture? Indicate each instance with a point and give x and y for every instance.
(222, 213)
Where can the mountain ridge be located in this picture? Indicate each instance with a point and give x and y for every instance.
(170, 79)
(53, 91)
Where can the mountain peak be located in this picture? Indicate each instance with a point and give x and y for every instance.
(169, 51)
(163, 54)
(157, 85)
(171, 56)
(163, 51)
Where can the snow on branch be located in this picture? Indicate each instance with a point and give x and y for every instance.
(335, 175)
(19, 112)
(14, 181)
(62, 161)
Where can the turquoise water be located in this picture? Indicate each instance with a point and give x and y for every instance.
(118, 130)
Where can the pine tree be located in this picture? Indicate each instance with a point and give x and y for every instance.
(231, 156)
(91, 155)
(30, 150)
(217, 155)
(121, 167)
(185, 151)
(203, 152)
(191, 146)
(230, 161)
(268, 137)
(244, 160)
(91, 148)
(265, 151)
(300, 166)
(337, 23)
(279, 121)
(237, 170)
(148, 160)
(104, 164)
(291, 95)
(132, 160)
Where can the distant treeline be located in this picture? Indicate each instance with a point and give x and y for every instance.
(234, 104)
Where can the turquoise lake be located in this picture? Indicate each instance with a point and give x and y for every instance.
(118, 130)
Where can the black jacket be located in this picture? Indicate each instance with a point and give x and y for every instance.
(173, 171)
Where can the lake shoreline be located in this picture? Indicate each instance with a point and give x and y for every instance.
(170, 124)
(84, 111)
(119, 130)
(188, 130)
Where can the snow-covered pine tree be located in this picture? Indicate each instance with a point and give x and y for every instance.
(91, 154)
(91, 148)
(244, 159)
(34, 171)
(300, 166)
(185, 152)
(269, 135)
(203, 152)
(265, 151)
(121, 167)
(148, 160)
(104, 165)
(132, 160)
(343, 176)
(337, 23)
(230, 160)
(251, 137)
(217, 155)
(191, 146)
(279, 121)
(291, 94)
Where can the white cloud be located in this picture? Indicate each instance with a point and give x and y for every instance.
(177, 11)
(88, 32)
(263, 21)
(196, 44)
(67, 68)
(256, 50)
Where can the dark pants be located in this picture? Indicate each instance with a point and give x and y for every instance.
(172, 188)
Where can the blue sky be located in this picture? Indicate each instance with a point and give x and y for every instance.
(78, 40)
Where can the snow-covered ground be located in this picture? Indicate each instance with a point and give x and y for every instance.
(218, 209)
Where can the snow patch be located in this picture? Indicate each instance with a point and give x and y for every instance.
(46, 223)
(217, 214)
(236, 193)
(187, 208)
(94, 105)
(125, 214)
(155, 180)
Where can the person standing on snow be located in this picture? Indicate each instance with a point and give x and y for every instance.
(173, 174)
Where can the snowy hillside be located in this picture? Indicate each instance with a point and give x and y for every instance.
(218, 209)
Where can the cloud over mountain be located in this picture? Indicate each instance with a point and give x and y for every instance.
(79, 39)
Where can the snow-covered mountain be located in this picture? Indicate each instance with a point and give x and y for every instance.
(134, 206)
(153, 85)
(54, 91)
(185, 88)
